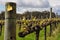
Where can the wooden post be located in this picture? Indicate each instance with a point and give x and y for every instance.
(45, 36)
(50, 29)
(0, 29)
(37, 35)
(55, 24)
(50, 23)
(19, 26)
(56, 15)
(50, 12)
(10, 21)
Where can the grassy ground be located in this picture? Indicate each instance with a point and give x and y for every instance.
(55, 36)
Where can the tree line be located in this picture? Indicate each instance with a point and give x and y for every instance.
(28, 15)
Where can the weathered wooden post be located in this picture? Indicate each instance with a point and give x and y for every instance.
(0, 29)
(50, 23)
(37, 30)
(10, 21)
(50, 29)
(55, 23)
(50, 12)
(56, 15)
(37, 34)
(45, 36)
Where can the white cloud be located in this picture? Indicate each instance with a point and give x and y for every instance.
(54, 3)
(22, 9)
(38, 5)
(33, 3)
(28, 3)
(4, 1)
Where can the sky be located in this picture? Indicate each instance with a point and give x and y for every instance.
(33, 5)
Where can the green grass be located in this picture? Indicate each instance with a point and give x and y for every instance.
(58, 38)
(2, 35)
(32, 35)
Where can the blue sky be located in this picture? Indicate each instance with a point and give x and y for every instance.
(2, 7)
(33, 5)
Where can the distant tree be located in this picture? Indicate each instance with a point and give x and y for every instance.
(38, 15)
(3, 15)
(28, 15)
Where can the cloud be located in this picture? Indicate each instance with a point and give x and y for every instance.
(33, 3)
(23, 5)
(56, 9)
(28, 3)
(54, 3)
(22, 9)
(4, 1)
